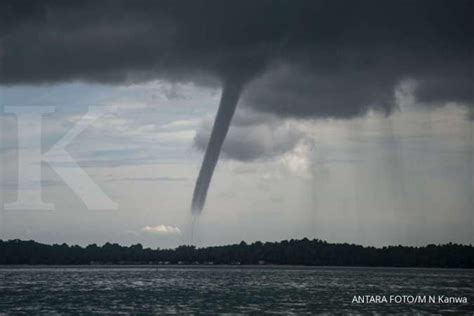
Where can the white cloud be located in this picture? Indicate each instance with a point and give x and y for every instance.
(298, 161)
(182, 124)
(162, 230)
(175, 137)
(252, 136)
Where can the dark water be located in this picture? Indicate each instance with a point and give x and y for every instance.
(210, 290)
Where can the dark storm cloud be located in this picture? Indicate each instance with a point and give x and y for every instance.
(308, 58)
(322, 58)
(295, 91)
(116, 41)
(253, 136)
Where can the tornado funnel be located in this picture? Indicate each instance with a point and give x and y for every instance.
(230, 96)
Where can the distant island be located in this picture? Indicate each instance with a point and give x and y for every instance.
(293, 252)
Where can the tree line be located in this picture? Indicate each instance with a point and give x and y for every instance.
(293, 252)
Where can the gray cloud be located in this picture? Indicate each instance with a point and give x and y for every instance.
(294, 91)
(253, 136)
(326, 58)
(334, 58)
(151, 179)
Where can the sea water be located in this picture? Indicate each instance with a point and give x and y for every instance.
(233, 289)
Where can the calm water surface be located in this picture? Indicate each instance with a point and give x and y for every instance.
(214, 289)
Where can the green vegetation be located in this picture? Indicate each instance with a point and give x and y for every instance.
(293, 252)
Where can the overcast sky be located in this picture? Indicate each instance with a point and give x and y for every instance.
(354, 122)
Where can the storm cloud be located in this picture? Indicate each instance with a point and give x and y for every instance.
(327, 58)
(253, 136)
(299, 58)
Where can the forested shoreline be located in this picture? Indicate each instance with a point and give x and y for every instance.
(293, 252)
